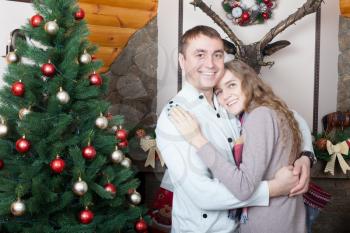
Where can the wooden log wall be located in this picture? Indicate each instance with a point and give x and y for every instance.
(113, 22)
(344, 7)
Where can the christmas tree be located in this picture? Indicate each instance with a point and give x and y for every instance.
(62, 159)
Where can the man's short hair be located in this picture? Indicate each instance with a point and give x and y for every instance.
(196, 31)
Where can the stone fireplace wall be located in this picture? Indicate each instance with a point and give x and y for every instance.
(344, 65)
(133, 79)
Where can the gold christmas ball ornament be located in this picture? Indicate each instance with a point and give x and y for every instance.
(101, 122)
(23, 112)
(12, 57)
(51, 27)
(135, 198)
(63, 96)
(85, 58)
(80, 187)
(18, 208)
(117, 156)
(126, 162)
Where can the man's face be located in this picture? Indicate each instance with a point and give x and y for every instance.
(203, 62)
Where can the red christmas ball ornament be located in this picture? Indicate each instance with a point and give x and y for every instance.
(79, 15)
(269, 5)
(121, 134)
(265, 15)
(86, 216)
(141, 226)
(18, 88)
(36, 20)
(22, 145)
(2, 164)
(111, 188)
(48, 69)
(95, 79)
(245, 16)
(266, 1)
(89, 152)
(123, 144)
(57, 165)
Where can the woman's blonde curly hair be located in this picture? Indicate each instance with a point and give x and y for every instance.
(258, 94)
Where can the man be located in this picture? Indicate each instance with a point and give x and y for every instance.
(200, 202)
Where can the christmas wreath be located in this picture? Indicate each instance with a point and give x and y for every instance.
(248, 12)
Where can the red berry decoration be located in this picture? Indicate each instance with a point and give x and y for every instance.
(36, 20)
(1, 164)
(266, 1)
(245, 16)
(57, 165)
(22, 145)
(121, 134)
(95, 79)
(265, 15)
(79, 15)
(86, 216)
(123, 144)
(140, 133)
(18, 88)
(89, 152)
(141, 226)
(48, 69)
(111, 188)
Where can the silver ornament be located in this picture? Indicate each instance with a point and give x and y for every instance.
(80, 187)
(51, 27)
(23, 112)
(117, 156)
(247, 4)
(263, 7)
(85, 58)
(255, 7)
(18, 208)
(3, 129)
(135, 198)
(12, 57)
(63, 96)
(237, 12)
(126, 162)
(101, 122)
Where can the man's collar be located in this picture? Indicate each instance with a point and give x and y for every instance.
(191, 94)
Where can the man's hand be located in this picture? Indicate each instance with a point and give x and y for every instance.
(283, 182)
(302, 169)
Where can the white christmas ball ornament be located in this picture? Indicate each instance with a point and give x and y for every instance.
(63, 96)
(237, 12)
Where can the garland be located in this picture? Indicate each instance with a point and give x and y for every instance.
(248, 12)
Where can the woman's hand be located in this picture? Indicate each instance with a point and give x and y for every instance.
(188, 126)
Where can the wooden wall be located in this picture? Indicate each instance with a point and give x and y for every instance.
(345, 7)
(113, 22)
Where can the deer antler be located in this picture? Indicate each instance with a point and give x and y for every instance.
(310, 6)
(206, 9)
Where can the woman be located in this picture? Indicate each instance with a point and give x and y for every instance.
(269, 133)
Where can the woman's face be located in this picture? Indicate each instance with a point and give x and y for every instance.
(229, 93)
